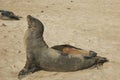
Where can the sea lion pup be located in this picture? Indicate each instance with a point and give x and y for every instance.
(42, 57)
(8, 15)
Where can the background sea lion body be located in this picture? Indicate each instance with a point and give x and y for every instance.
(40, 56)
(8, 15)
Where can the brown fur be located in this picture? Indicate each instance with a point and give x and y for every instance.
(68, 50)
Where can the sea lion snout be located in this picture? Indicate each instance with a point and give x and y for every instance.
(29, 17)
(30, 20)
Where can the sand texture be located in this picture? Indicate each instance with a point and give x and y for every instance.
(88, 24)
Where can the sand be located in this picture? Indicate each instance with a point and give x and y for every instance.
(88, 24)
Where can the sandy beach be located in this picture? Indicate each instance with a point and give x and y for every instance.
(87, 24)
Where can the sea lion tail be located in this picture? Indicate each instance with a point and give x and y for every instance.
(100, 61)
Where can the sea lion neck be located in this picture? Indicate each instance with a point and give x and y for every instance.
(34, 34)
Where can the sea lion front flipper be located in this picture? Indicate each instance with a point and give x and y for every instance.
(24, 72)
(29, 67)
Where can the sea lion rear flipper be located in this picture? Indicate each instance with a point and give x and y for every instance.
(60, 47)
(91, 54)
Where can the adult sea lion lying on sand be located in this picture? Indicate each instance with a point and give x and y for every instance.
(40, 56)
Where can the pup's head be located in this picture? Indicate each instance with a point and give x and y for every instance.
(35, 26)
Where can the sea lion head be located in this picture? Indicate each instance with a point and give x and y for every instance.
(35, 26)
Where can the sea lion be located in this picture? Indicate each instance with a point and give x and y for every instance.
(8, 15)
(41, 56)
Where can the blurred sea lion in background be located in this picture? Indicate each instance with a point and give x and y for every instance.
(8, 15)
